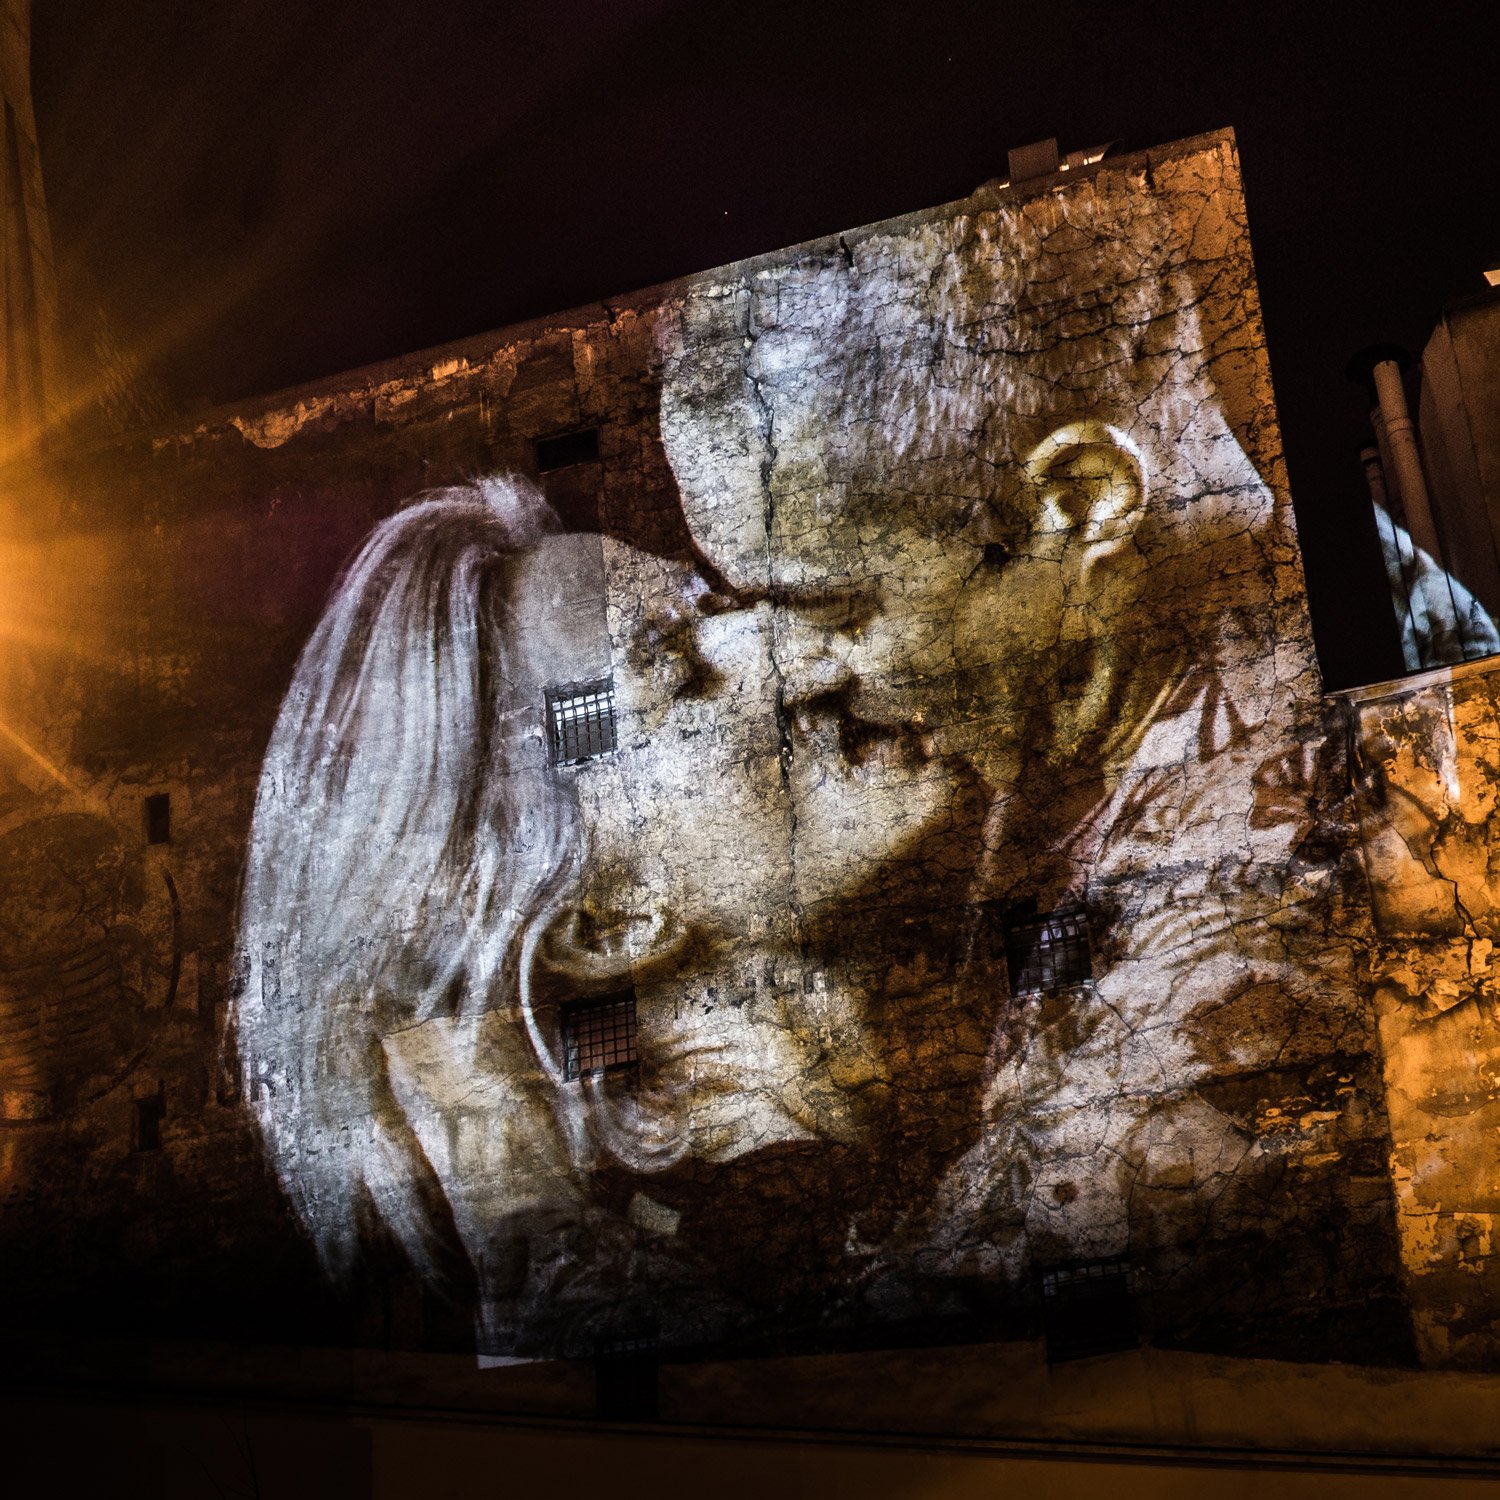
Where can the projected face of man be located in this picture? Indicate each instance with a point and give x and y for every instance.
(973, 594)
(908, 696)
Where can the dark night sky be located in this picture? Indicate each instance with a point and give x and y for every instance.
(266, 191)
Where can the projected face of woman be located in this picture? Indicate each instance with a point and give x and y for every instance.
(783, 853)
(737, 821)
(753, 1032)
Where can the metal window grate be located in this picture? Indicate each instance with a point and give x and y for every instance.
(1088, 1308)
(599, 1036)
(566, 449)
(1048, 953)
(581, 720)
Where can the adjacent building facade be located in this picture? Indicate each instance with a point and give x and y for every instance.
(1434, 481)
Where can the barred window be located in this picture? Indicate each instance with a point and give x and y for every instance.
(581, 720)
(1048, 953)
(1088, 1307)
(599, 1036)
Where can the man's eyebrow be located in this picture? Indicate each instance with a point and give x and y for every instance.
(841, 606)
(837, 606)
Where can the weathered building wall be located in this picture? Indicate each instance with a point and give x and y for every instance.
(971, 846)
(1426, 755)
(1460, 427)
(31, 391)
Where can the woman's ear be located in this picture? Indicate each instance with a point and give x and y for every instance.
(1089, 481)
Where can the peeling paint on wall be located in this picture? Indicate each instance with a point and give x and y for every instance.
(1426, 755)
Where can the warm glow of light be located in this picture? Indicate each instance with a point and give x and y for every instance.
(42, 608)
(51, 593)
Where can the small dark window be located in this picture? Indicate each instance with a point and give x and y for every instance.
(567, 449)
(1088, 1308)
(149, 1113)
(581, 720)
(159, 818)
(625, 1382)
(1048, 953)
(599, 1036)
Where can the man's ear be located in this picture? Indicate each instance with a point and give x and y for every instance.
(1090, 483)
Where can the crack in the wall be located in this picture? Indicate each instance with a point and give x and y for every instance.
(766, 427)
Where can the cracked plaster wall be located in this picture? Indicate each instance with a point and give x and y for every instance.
(943, 567)
(1425, 755)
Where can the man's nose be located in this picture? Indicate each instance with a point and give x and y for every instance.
(811, 673)
(817, 634)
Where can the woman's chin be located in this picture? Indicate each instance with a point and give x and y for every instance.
(593, 951)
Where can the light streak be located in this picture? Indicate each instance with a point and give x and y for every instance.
(32, 753)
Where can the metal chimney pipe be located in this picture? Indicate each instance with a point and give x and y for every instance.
(1434, 613)
(1401, 435)
(1381, 365)
(1375, 477)
(1387, 469)
(1390, 554)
